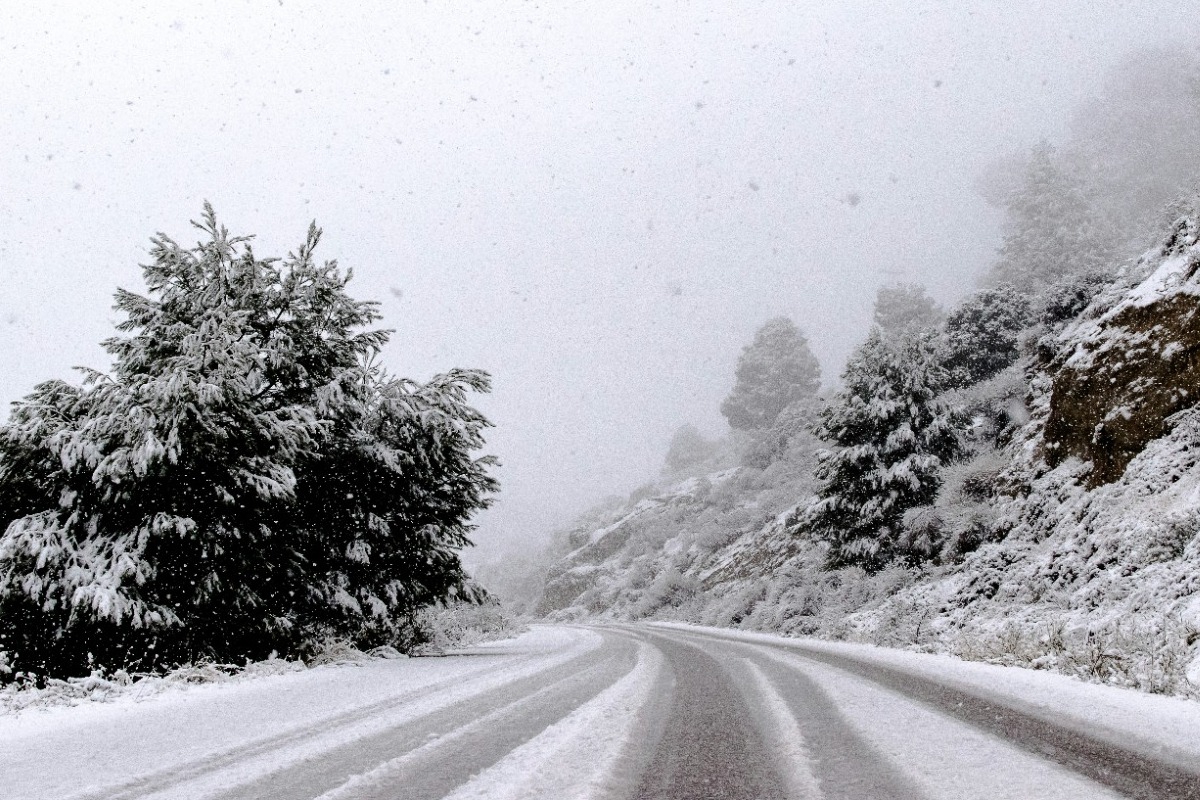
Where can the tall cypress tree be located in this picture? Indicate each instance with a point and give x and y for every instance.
(773, 371)
(1051, 229)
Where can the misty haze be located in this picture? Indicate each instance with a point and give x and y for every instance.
(499, 399)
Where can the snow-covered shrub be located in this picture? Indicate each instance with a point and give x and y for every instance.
(334, 652)
(246, 480)
(1150, 653)
(735, 605)
(29, 691)
(445, 627)
(963, 516)
(1065, 299)
(714, 534)
(790, 431)
(966, 531)
(922, 532)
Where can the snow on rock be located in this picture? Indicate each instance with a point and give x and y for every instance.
(1124, 369)
(649, 553)
(1094, 567)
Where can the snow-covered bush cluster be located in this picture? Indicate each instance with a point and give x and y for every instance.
(245, 480)
(444, 627)
(30, 692)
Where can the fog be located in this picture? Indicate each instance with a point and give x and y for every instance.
(597, 203)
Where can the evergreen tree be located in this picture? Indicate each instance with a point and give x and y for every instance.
(982, 334)
(1051, 228)
(1136, 143)
(245, 480)
(688, 449)
(773, 372)
(905, 305)
(386, 507)
(792, 428)
(890, 435)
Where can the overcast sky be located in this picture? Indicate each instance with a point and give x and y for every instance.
(597, 202)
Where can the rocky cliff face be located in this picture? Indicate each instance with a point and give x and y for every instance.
(1128, 368)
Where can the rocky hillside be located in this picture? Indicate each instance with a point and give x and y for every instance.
(667, 551)
(1097, 554)
(1087, 514)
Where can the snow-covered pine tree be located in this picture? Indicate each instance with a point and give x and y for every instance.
(905, 305)
(155, 515)
(982, 334)
(891, 435)
(387, 506)
(773, 371)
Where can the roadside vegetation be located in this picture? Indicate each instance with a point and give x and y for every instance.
(247, 482)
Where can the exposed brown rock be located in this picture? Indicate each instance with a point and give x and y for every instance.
(1125, 375)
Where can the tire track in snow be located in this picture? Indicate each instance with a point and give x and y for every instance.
(847, 766)
(1128, 770)
(793, 757)
(935, 755)
(710, 747)
(429, 767)
(591, 753)
(811, 749)
(187, 780)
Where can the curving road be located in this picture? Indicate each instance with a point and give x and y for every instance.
(822, 725)
(660, 713)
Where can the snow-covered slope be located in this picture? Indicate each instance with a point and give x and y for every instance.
(1091, 559)
(678, 548)
(1099, 529)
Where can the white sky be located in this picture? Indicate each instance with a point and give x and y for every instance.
(598, 202)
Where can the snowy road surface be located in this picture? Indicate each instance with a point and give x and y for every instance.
(622, 711)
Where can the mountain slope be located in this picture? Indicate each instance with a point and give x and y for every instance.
(1087, 515)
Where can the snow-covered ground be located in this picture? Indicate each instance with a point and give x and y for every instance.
(205, 730)
(1165, 725)
(572, 712)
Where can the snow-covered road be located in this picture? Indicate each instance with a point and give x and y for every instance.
(622, 711)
